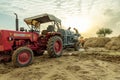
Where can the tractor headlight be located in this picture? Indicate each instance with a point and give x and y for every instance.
(75, 38)
(10, 38)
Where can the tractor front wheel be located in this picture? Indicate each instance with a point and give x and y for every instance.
(22, 56)
(77, 46)
(55, 46)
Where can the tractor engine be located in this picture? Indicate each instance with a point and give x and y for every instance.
(69, 38)
(11, 40)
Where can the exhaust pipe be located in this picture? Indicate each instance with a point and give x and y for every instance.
(16, 22)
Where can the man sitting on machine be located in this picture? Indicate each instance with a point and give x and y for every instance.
(50, 28)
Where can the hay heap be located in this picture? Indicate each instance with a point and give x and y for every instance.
(96, 42)
(114, 44)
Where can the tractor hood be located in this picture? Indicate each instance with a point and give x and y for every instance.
(39, 19)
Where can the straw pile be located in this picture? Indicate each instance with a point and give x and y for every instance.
(96, 42)
(114, 44)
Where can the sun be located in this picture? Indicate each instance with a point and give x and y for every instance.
(82, 23)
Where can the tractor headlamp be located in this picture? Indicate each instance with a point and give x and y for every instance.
(75, 38)
(10, 38)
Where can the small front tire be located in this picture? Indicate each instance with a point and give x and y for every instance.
(77, 46)
(22, 56)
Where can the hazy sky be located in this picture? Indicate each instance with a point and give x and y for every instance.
(86, 15)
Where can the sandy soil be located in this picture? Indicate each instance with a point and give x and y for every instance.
(81, 65)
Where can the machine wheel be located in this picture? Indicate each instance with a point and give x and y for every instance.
(22, 56)
(55, 46)
(77, 46)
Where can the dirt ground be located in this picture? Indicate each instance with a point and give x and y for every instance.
(91, 64)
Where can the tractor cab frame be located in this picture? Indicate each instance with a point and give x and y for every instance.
(35, 22)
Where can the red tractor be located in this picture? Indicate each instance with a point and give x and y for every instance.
(20, 46)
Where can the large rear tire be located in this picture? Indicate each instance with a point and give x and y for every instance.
(22, 56)
(55, 46)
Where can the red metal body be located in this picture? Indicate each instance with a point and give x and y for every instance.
(21, 45)
(11, 40)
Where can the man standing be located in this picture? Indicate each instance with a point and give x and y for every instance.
(77, 32)
(82, 41)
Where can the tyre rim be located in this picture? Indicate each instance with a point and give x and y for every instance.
(24, 57)
(58, 46)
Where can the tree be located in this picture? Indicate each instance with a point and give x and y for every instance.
(103, 32)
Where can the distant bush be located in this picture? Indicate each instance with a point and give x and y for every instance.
(103, 32)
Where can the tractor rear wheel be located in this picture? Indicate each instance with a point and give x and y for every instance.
(77, 46)
(22, 56)
(55, 46)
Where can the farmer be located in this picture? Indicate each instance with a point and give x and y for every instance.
(77, 32)
(69, 28)
(82, 41)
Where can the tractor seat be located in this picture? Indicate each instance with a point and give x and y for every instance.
(50, 28)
